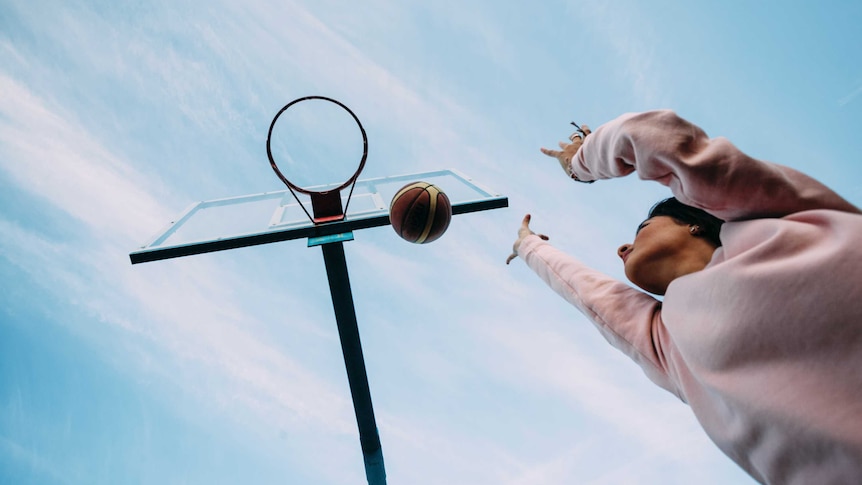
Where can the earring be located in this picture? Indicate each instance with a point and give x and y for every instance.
(694, 230)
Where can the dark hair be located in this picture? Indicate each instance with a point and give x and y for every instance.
(709, 224)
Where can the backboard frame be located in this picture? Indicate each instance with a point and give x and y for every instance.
(155, 250)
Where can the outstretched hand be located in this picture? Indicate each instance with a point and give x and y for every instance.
(568, 150)
(523, 232)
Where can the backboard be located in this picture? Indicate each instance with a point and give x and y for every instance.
(268, 217)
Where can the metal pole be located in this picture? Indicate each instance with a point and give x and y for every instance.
(348, 332)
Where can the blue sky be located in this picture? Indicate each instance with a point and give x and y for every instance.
(225, 367)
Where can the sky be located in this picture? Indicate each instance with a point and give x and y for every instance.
(226, 368)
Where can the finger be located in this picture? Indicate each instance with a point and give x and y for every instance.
(511, 257)
(586, 130)
(550, 153)
(564, 145)
(524, 230)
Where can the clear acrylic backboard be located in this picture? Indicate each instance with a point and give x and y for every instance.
(268, 217)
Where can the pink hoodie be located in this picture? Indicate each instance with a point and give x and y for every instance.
(765, 343)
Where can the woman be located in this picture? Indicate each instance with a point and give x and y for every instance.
(759, 330)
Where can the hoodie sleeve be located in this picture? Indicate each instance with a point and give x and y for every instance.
(629, 319)
(711, 174)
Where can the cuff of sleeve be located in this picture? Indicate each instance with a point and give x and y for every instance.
(584, 177)
(529, 244)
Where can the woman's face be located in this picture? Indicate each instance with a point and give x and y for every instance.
(662, 251)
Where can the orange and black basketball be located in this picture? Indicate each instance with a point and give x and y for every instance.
(420, 212)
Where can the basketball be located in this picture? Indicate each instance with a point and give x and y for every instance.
(420, 212)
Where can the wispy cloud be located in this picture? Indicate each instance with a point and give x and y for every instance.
(554, 360)
(844, 101)
(36, 463)
(48, 155)
(191, 314)
(632, 39)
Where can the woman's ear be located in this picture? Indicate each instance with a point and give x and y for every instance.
(695, 230)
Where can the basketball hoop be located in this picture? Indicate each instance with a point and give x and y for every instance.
(325, 204)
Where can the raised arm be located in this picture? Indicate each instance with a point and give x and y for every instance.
(710, 174)
(629, 319)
